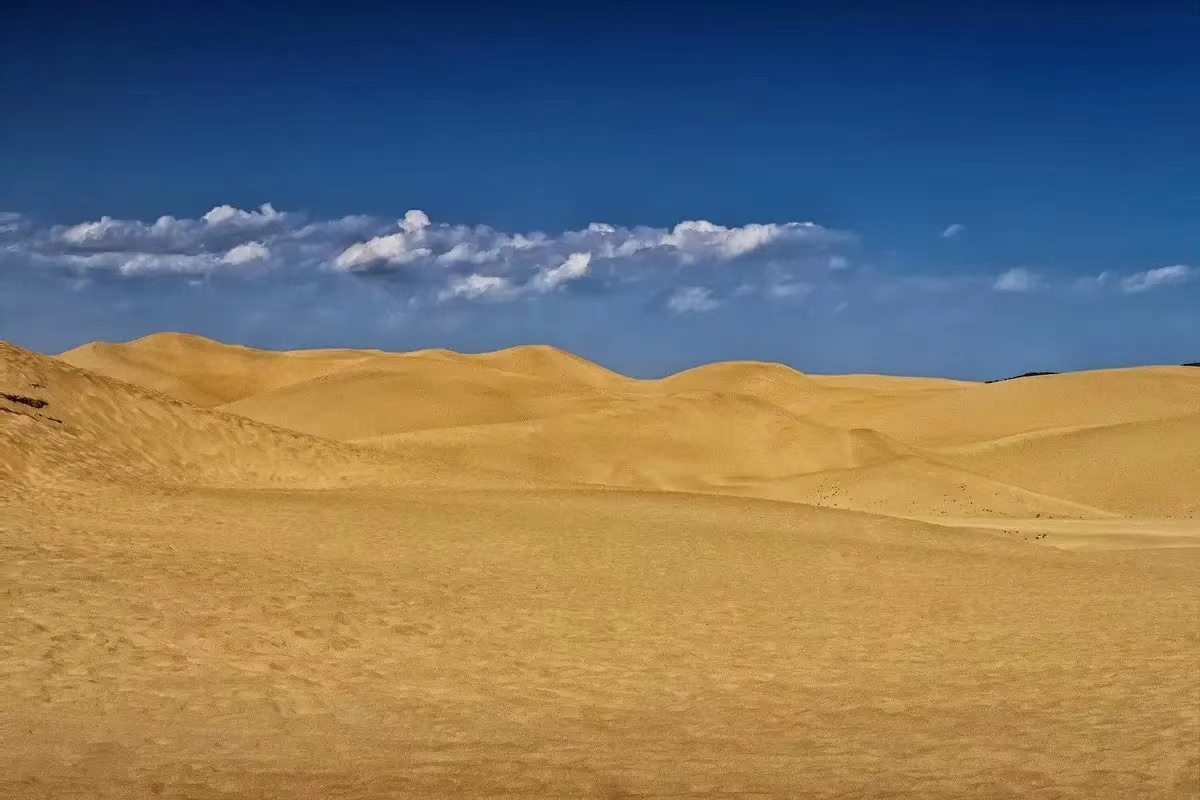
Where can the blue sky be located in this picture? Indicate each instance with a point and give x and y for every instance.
(971, 189)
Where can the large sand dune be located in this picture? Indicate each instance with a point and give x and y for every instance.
(239, 573)
(1108, 442)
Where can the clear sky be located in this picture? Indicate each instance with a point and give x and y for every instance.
(971, 188)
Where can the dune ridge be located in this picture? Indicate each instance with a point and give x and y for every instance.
(1063, 444)
(182, 409)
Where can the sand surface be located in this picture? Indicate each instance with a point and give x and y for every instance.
(231, 573)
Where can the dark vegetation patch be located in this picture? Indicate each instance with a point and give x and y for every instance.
(1022, 375)
(1192, 364)
(32, 402)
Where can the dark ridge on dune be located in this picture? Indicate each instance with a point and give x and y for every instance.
(1192, 364)
(1022, 375)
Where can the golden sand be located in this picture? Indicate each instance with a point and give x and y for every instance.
(231, 573)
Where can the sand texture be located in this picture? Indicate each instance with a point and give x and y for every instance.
(230, 573)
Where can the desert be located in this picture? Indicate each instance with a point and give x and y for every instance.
(239, 573)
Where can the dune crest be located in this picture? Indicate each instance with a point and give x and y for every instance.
(203, 371)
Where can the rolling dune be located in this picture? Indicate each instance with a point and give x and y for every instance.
(394, 395)
(203, 371)
(985, 412)
(540, 414)
(94, 429)
(696, 441)
(1144, 468)
(233, 573)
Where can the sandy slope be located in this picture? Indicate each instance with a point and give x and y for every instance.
(389, 395)
(94, 428)
(233, 574)
(697, 441)
(1141, 468)
(205, 372)
(985, 412)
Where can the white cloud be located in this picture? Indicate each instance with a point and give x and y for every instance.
(352, 225)
(479, 287)
(236, 217)
(220, 228)
(498, 287)
(576, 266)
(1092, 283)
(482, 245)
(466, 253)
(1017, 279)
(132, 263)
(150, 264)
(1154, 278)
(688, 242)
(697, 238)
(692, 299)
(1136, 282)
(954, 231)
(392, 249)
(247, 253)
(168, 263)
(90, 231)
(789, 290)
(12, 222)
(436, 261)
(414, 220)
(415, 262)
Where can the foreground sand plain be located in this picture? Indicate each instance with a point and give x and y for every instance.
(232, 573)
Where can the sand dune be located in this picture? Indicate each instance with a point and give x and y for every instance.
(388, 395)
(769, 381)
(551, 364)
(985, 412)
(233, 573)
(97, 429)
(1145, 468)
(203, 371)
(695, 441)
(923, 487)
(1058, 445)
